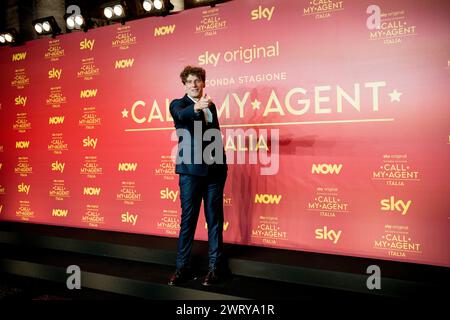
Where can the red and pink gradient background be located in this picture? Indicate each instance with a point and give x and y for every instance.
(313, 52)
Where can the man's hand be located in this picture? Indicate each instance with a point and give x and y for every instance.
(206, 99)
(203, 103)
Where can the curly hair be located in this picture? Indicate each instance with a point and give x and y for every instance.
(196, 71)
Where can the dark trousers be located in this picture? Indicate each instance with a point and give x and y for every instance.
(192, 190)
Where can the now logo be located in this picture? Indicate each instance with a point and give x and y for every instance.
(22, 144)
(19, 56)
(60, 212)
(124, 63)
(164, 30)
(127, 166)
(91, 191)
(268, 198)
(56, 120)
(326, 168)
(88, 93)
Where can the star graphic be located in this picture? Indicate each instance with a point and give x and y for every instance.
(256, 104)
(124, 113)
(395, 95)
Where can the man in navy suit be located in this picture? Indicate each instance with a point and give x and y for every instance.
(201, 165)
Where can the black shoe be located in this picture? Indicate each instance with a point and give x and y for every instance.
(211, 278)
(180, 276)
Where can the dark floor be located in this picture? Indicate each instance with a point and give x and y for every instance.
(29, 295)
(17, 288)
(118, 268)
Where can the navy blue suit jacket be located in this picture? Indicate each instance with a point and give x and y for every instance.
(184, 117)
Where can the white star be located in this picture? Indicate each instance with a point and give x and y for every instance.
(256, 104)
(124, 113)
(395, 95)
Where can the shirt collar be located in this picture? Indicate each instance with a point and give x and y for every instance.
(191, 98)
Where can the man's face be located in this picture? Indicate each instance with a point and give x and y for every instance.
(194, 86)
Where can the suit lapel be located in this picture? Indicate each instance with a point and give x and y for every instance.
(187, 101)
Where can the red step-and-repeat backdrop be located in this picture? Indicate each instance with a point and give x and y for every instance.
(334, 114)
